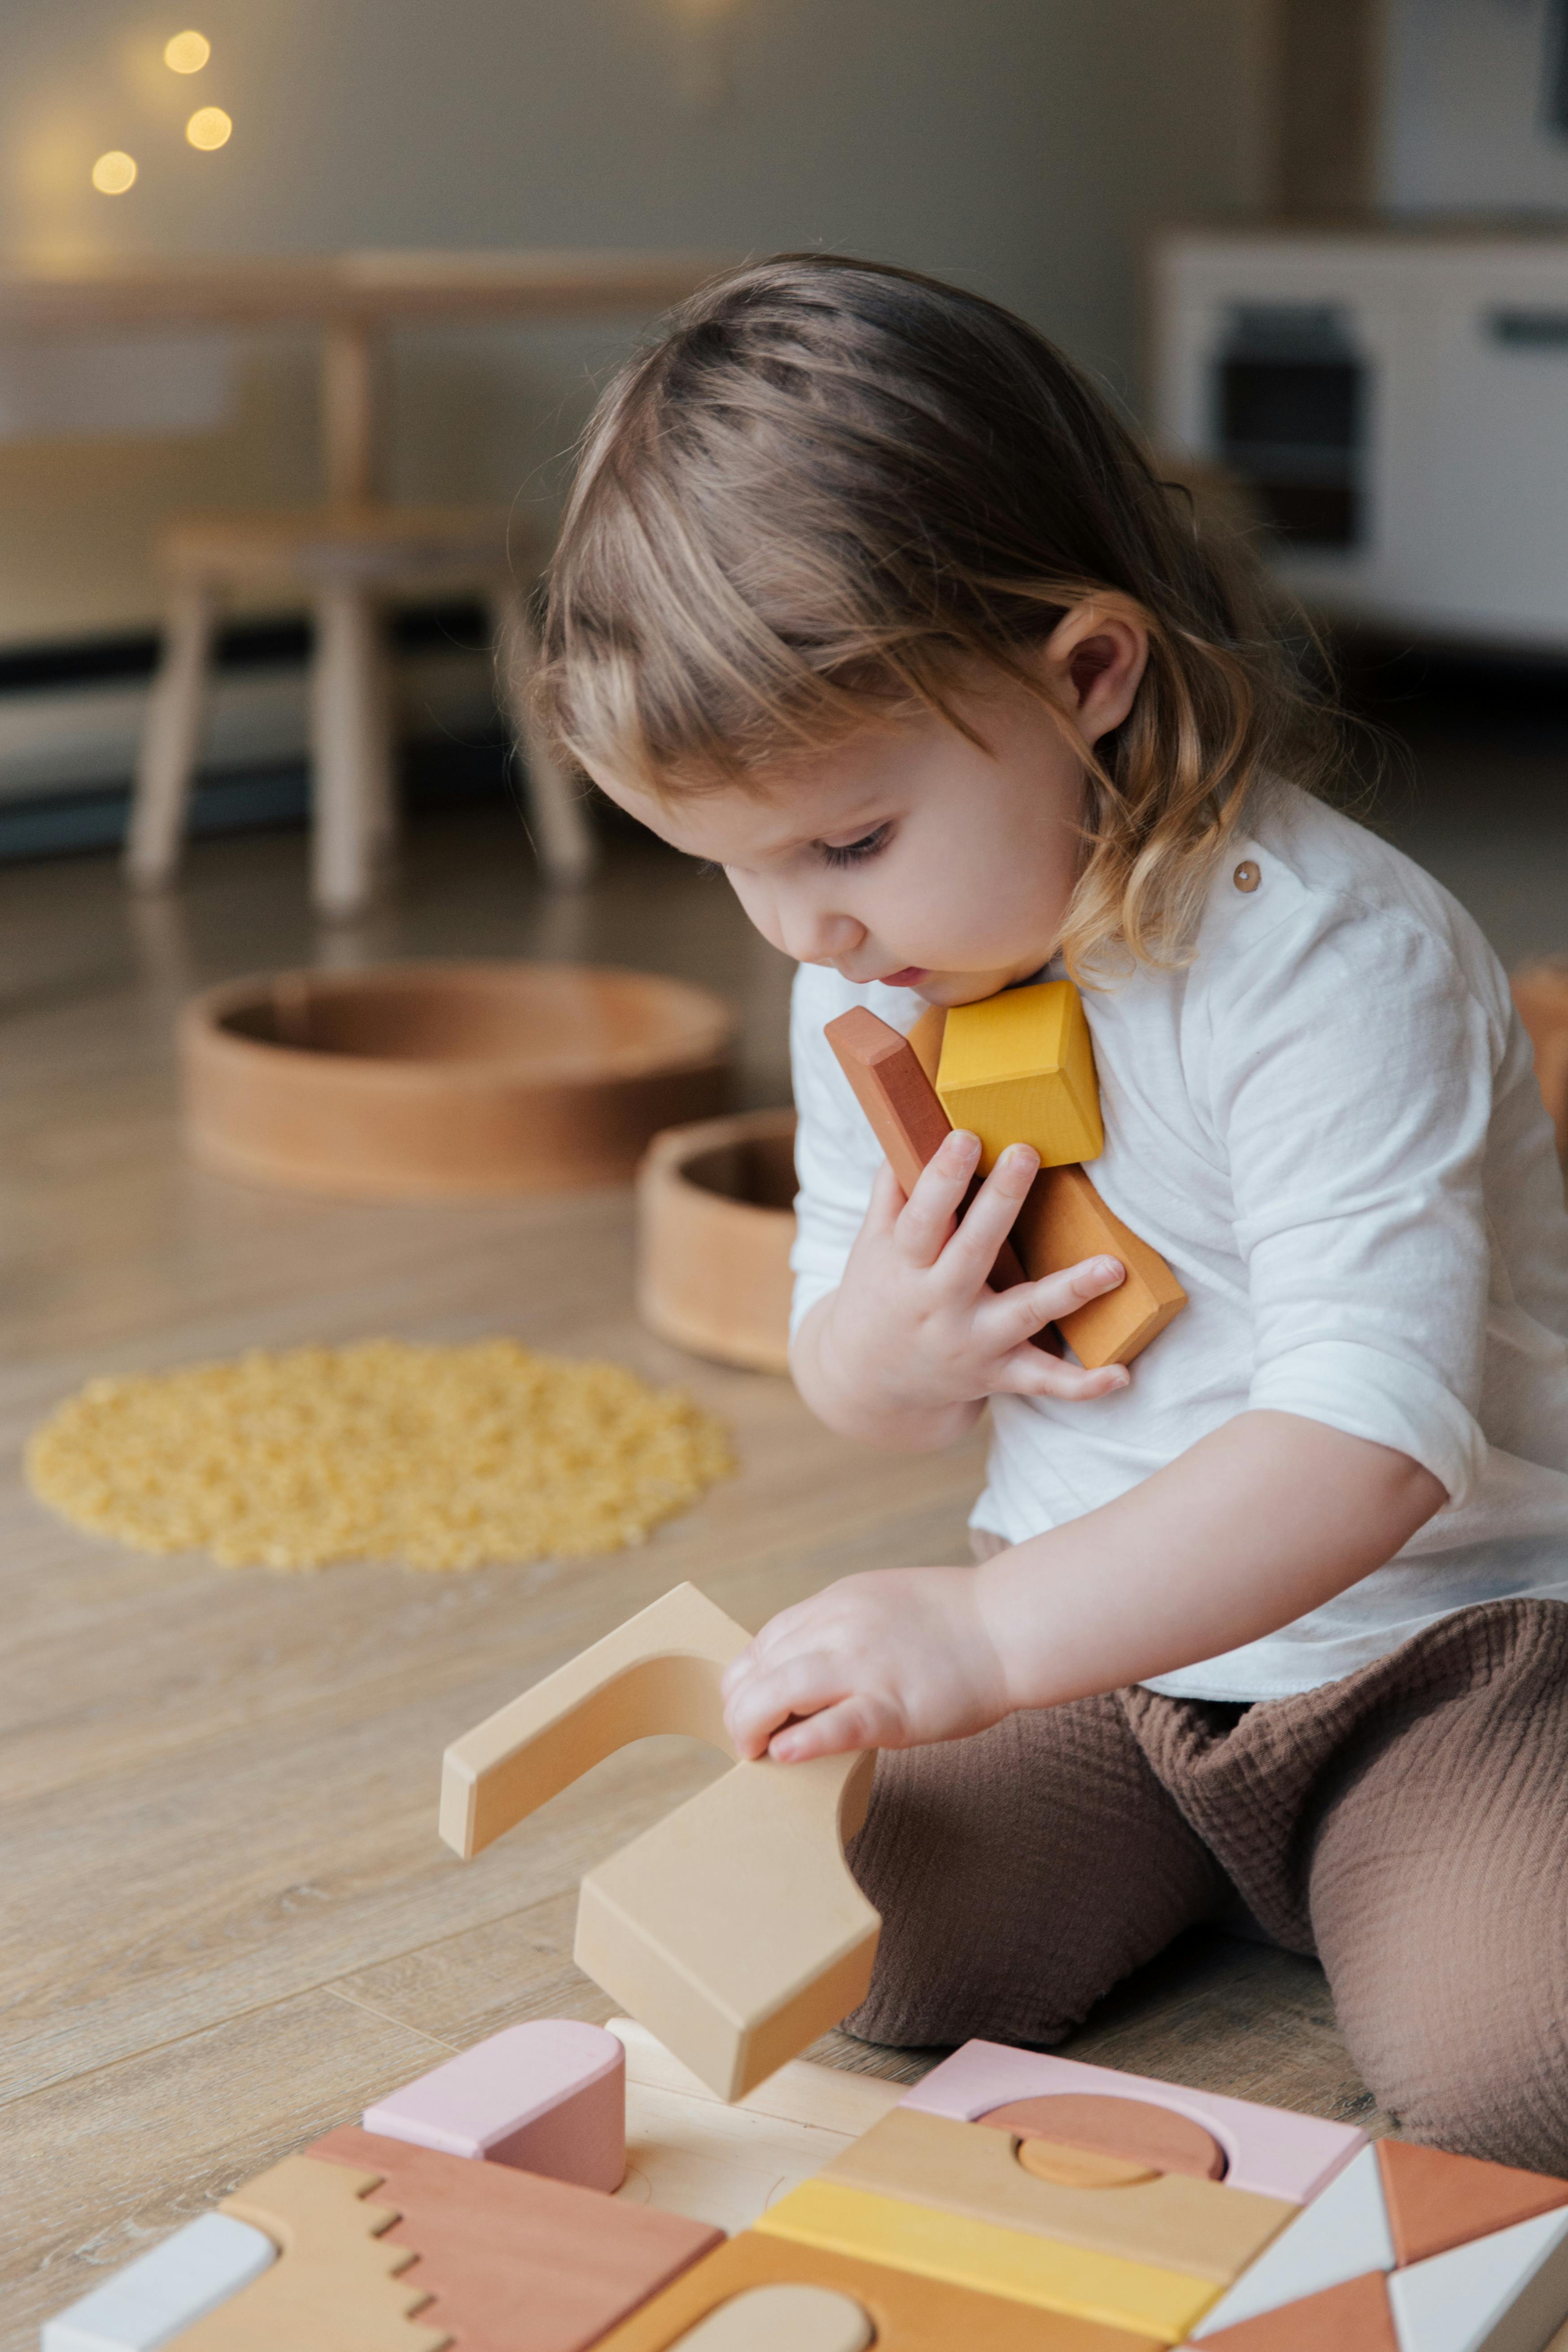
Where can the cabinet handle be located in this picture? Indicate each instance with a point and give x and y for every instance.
(1529, 330)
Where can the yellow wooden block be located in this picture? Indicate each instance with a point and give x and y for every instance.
(963, 2251)
(1019, 1069)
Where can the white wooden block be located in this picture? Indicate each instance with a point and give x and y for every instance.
(1342, 2233)
(162, 2293)
(1507, 2293)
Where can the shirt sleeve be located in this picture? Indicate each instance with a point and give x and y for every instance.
(1352, 1078)
(836, 1154)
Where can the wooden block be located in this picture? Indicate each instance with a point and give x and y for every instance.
(517, 2262)
(1540, 992)
(1019, 1069)
(908, 2313)
(162, 2292)
(732, 1930)
(337, 2288)
(784, 2318)
(1435, 2201)
(1355, 2318)
(1341, 2235)
(1077, 2167)
(1153, 2139)
(1265, 2150)
(899, 1101)
(925, 1039)
(1062, 1222)
(549, 2097)
(1502, 2294)
(990, 2260)
(1171, 2221)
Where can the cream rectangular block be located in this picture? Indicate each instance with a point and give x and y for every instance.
(1507, 2293)
(156, 2298)
(1342, 2233)
(548, 2096)
(1267, 2150)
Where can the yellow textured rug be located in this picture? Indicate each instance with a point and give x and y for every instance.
(441, 1457)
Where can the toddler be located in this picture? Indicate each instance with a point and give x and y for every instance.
(864, 594)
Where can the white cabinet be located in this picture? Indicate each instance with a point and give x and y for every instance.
(1441, 503)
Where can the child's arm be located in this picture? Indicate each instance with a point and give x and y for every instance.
(1262, 1520)
(905, 1351)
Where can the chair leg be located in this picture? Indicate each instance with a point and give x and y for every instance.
(171, 738)
(350, 749)
(562, 836)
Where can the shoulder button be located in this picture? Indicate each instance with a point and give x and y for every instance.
(1247, 876)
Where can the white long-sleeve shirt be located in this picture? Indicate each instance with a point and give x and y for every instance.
(1329, 1125)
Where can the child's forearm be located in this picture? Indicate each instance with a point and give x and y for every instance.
(855, 1408)
(1269, 1517)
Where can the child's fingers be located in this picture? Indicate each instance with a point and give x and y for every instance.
(991, 1216)
(1029, 1371)
(928, 1215)
(763, 1701)
(835, 1730)
(1028, 1306)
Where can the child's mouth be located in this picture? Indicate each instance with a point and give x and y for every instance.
(909, 976)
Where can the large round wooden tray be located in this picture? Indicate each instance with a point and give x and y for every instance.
(715, 1226)
(431, 1081)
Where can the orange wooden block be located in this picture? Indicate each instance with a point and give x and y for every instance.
(1063, 1222)
(1540, 992)
(517, 2262)
(1133, 2129)
(925, 1038)
(901, 1102)
(1355, 2318)
(910, 2314)
(1435, 2201)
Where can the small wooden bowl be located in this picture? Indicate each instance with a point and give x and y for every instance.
(444, 1081)
(715, 1225)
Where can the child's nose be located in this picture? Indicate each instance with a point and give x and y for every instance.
(813, 936)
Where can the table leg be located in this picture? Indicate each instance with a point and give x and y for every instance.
(350, 413)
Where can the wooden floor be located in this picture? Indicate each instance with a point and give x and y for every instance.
(227, 1921)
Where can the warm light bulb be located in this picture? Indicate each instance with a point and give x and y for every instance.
(208, 127)
(188, 52)
(114, 173)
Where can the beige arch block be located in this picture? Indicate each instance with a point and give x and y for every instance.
(732, 1930)
(781, 2319)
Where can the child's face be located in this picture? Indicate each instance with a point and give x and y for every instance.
(911, 855)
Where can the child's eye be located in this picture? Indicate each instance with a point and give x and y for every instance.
(855, 853)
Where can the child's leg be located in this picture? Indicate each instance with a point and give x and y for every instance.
(1440, 1894)
(1020, 1874)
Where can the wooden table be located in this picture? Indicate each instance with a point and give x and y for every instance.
(355, 299)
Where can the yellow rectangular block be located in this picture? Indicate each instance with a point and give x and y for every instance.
(1019, 1069)
(963, 2251)
(1171, 2221)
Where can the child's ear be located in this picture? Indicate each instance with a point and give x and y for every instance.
(1094, 660)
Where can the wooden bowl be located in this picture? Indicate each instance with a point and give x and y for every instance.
(444, 1081)
(715, 1225)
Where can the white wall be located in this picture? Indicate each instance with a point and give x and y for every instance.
(1023, 146)
(1464, 125)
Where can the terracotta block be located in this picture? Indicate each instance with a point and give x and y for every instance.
(990, 2260)
(1342, 2234)
(1435, 2201)
(1019, 1069)
(1540, 992)
(1135, 2129)
(162, 2292)
(1355, 2318)
(549, 2097)
(1064, 1221)
(901, 1105)
(338, 2286)
(517, 2262)
(793, 2319)
(732, 1930)
(908, 2313)
(1172, 2222)
(1265, 2150)
(1502, 2294)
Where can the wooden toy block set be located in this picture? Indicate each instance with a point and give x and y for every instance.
(1016, 1068)
(687, 2181)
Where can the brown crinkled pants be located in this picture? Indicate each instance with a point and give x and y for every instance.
(1408, 1824)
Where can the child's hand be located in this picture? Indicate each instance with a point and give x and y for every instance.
(888, 1660)
(914, 1321)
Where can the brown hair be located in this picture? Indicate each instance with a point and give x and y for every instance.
(830, 487)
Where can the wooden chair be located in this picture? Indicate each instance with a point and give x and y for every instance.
(346, 561)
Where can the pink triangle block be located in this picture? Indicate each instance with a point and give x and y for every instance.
(1267, 2150)
(549, 2097)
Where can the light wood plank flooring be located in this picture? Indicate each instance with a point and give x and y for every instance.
(227, 1920)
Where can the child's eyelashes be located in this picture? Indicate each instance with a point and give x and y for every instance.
(855, 853)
